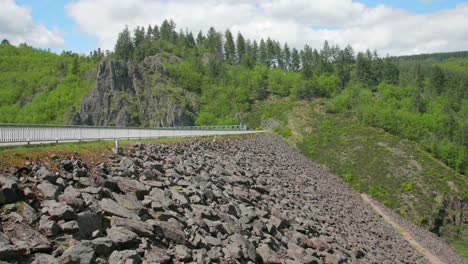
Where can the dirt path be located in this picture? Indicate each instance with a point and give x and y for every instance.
(426, 253)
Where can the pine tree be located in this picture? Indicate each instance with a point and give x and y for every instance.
(295, 60)
(214, 42)
(262, 53)
(167, 31)
(74, 69)
(201, 39)
(363, 69)
(254, 52)
(229, 47)
(286, 57)
(241, 47)
(418, 91)
(437, 80)
(307, 58)
(124, 45)
(270, 52)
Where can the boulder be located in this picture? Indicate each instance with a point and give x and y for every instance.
(78, 254)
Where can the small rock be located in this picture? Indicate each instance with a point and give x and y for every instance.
(46, 175)
(41, 258)
(267, 254)
(140, 228)
(48, 190)
(70, 227)
(157, 255)
(122, 237)
(88, 222)
(125, 257)
(78, 254)
(61, 211)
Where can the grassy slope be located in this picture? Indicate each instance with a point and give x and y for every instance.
(396, 172)
(38, 86)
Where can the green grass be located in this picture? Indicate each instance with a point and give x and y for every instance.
(460, 244)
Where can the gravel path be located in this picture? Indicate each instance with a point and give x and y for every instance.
(431, 246)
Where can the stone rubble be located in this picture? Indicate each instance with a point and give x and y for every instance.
(233, 200)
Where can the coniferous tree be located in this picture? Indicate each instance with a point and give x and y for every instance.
(241, 47)
(363, 69)
(295, 60)
(270, 52)
(167, 31)
(254, 52)
(437, 80)
(229, 47)
(286, 57)
(262, 53)
(5, 42)
(278, 56)
(307, 59)
(418, 91)
(214, 42)
(201, 39)
(124, 45)
(74, 69)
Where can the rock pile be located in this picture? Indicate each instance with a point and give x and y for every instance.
(237, 200)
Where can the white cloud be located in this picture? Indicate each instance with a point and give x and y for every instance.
(387, 29)
(17, 25)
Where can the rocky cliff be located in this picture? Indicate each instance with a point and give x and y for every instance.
(129, 94)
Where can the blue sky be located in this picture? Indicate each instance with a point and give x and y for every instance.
(82, 26)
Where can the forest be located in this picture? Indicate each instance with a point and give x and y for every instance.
(422, 98)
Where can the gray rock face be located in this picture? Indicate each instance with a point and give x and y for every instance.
(125, 88)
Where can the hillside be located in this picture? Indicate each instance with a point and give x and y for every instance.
(239, 199)
(41, 87)
(407, 116)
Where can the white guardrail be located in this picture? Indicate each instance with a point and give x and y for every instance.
(15, 133)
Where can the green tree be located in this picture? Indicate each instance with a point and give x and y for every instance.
(437, 80)
(295, 60)
(286, 57)
(229, 47)
(124, 45)
(241, 48)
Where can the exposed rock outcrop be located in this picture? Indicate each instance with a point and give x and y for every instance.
(129, 94)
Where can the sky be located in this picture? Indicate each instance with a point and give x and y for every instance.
(393, 27)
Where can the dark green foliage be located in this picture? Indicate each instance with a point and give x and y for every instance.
(229, 47)
(124, 47)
